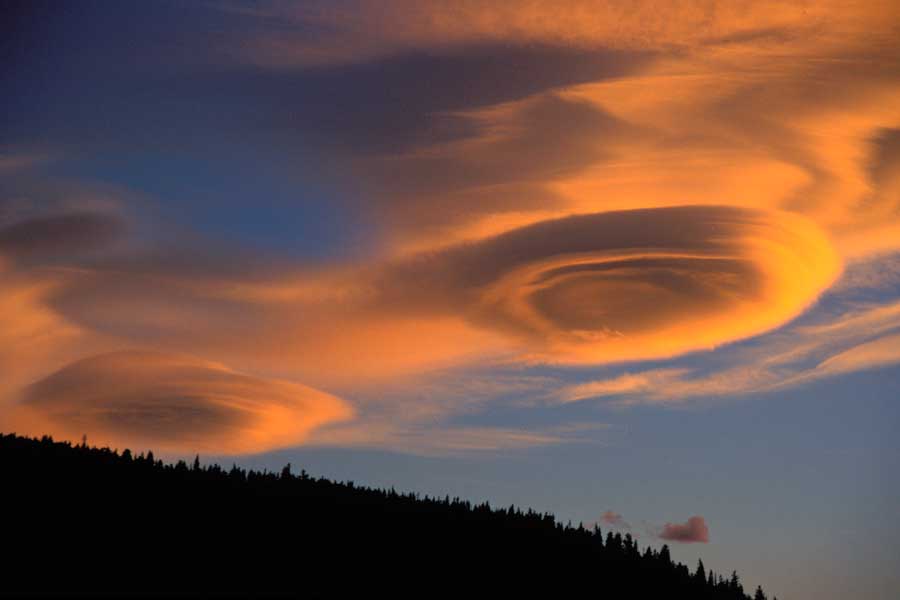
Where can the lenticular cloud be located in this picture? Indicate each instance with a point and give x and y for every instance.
(174, 402)
(626, 285)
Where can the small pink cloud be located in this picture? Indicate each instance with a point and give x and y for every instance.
(613, 518)
(695, 530)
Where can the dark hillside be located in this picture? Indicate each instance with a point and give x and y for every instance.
(92, 521)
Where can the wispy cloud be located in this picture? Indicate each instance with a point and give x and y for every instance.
(614, 519)
(443, 439)
(364, 29)
(858, 337)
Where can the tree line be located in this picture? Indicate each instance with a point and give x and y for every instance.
(92, 521)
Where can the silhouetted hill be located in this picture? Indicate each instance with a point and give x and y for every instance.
(81, 520)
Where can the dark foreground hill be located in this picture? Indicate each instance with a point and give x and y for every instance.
(89, 521)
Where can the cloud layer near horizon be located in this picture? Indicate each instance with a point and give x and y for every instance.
(172, 403)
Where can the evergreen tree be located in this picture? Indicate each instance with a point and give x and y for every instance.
(735, 584)
(232, 551)
(700, 573)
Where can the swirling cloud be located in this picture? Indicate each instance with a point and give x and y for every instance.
(598, 288)
(40, 243)
(627, 285)
(556, 193)
(175, 403)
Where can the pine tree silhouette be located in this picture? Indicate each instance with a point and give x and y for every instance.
(149, 528)
(700, 573)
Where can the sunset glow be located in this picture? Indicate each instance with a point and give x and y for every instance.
(438, 228)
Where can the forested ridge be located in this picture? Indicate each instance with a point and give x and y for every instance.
(84, 520)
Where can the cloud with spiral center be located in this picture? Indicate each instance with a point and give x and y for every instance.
(626, 285)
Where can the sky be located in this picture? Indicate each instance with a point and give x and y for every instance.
(637, 264)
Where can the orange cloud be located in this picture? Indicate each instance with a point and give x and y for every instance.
(807, 130)
(625, 285)
(754, 105)
(367, 29)
(658, 381)
(855, 339)
(706, 193)
(870, 355)
(33, 337)
(37, 248)
(595, 288)
(174, 403)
